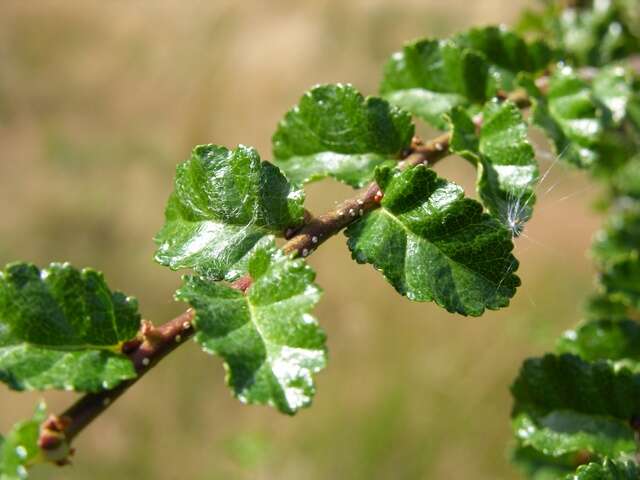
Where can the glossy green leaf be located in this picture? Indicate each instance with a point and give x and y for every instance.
(607, 470)
(613, 87)
(335, 131)
(595, 33)
(433, 244)
(507, 53)
(566, 382)
(537, 466)
(19, 449)
(507, 169)
(430, 77)
(271, 345)
(569, 116)
(63, 328)
(563, 432)
(617, 341)
(617, 253)
(224, 203)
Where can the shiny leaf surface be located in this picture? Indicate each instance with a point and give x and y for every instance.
(224, 203)
(607, 470)
(564, 432)
(569, 116)
(566, 382)
(63, 328)
(507, 169)
(335, 131)
(271, 345)
(430, 77)
(19, 449)
(433, 244)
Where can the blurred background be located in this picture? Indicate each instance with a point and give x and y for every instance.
(98, 103)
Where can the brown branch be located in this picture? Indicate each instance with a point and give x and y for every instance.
(154, 343)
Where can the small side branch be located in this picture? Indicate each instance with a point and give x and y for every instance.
(153, 344)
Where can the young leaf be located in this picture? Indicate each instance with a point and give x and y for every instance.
(507, 53)
(63, 328)
(607, 470)
(270, 343)
(430, 77)
(432, 243)
(564, 432)
(224, 203)
(335, 131)
(569, 117)
(507, 169)
(19, 449)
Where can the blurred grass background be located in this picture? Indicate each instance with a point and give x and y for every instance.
(100, 100)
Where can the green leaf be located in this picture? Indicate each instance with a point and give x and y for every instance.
(626, 181)
(569, 116)
(507, 53)
(617, 253)
(613, 87)
(617, 341)
(563, 432)
(20, 450)
(537, 466)
(601, 306)
(335, 131)
(566, 382)
(507, 169)
(620, 238)
(224, 203)
(63, 328)
(596, 33)
(270, 343)
(607, 470)
(432, 243)
(430, 77)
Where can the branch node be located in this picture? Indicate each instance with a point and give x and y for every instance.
(52, 440)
